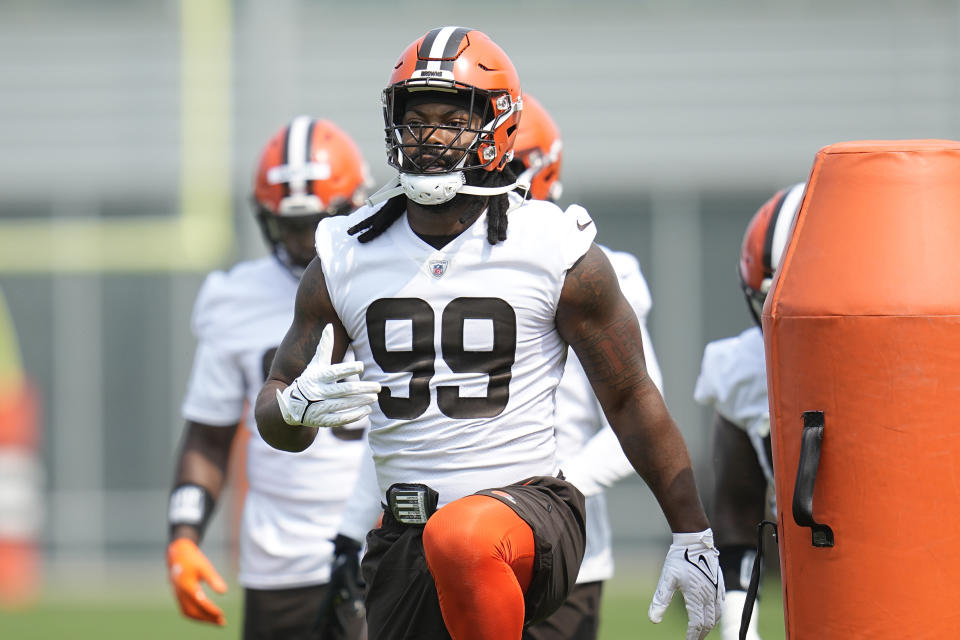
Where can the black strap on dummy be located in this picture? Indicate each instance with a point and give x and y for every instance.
(755, 578)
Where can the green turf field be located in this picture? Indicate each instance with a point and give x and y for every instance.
(153, 615)
(625, 614)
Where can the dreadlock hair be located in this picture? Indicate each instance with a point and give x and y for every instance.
(372, 226)
(497, 207)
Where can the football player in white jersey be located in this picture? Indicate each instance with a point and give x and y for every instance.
(460, 329)
(733, 382)
(308, 171)
(588, 450)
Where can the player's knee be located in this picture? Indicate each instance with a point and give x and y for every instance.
(458, 535)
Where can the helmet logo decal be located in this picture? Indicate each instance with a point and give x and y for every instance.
(438, 268)
(286, 173)
(430, 74)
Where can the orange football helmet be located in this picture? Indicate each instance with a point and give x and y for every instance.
(468, 63)
(763, 245)
(308, 170)
(538, 152)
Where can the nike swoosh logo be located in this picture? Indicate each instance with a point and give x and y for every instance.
(584, 226)
(297, 394)
(705, 569)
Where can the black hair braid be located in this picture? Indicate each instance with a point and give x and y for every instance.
(498, 205)
(372, 226)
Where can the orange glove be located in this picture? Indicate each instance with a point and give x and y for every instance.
(188, 566)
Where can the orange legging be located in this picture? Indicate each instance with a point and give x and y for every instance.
(481, 556)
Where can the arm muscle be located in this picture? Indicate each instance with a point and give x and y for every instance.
(601, 327)
(312, 311)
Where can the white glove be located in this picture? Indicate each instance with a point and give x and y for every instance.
(317, 399)
(733, 614)
(692, 566)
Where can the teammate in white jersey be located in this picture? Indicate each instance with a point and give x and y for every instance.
(588, 450)
(460, 329)
(308, 171)
(733, 381)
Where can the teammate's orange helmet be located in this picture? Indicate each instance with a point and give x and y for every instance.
(538, 151)
(475, 71)
(309, 170)
(763, 245)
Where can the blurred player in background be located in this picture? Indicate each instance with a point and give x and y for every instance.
(460, 328)
(21, 474)
(733, 381)
(590, 455)
(308, 171)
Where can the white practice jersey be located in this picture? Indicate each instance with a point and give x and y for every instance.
(590, 454)
(463, 340)
(294, 500)
(733, 382)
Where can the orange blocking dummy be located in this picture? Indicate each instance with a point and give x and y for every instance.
(862, 331)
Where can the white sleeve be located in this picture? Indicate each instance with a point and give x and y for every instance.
(733, 381)
(216, 391)
(362, 510)
(579, 237)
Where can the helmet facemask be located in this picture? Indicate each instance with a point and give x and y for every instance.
(288, 236)
(754, 297)
(471, 147)
(432, 173)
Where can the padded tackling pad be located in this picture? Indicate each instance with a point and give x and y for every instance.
(863, 325)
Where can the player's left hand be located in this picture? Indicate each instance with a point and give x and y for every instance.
(692, 566)
(342, 609)
(320, 397)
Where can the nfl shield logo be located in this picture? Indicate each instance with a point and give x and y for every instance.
(438, 268)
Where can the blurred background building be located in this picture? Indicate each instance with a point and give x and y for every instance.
(129, 132)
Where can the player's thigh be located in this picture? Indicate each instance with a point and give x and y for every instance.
(555, 511)
(275, 614)
(401, 596)
(578, 618)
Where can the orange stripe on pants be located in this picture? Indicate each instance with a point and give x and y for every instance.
(481, 556)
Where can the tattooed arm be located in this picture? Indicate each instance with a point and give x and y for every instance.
(312, 312)
(598, 323)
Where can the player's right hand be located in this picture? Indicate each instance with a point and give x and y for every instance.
(187, 567)
(320, 397)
